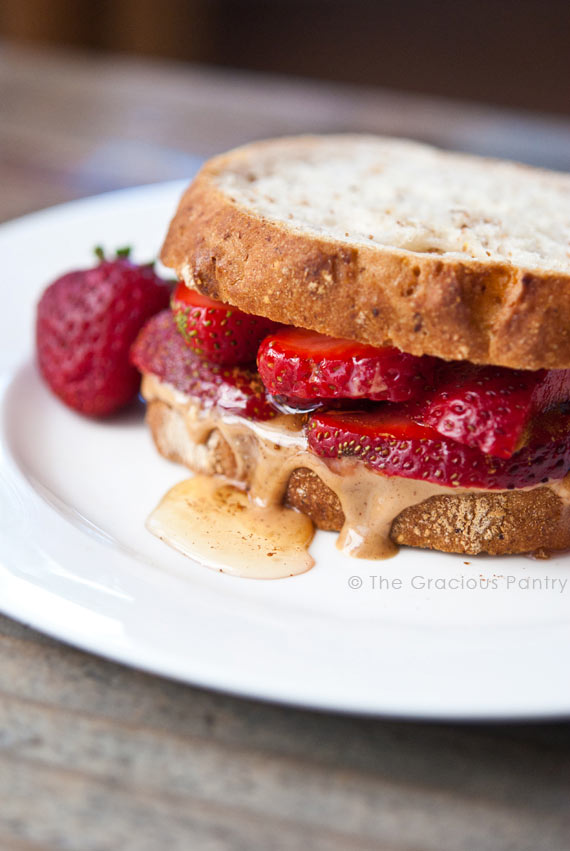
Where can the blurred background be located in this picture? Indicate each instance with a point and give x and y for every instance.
(507, 52)
(98, 95)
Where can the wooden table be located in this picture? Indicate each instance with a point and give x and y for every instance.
(96, 756)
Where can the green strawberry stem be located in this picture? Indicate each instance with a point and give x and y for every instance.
(120, 253)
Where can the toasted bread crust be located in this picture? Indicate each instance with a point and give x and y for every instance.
(485, 312)
(499, 523)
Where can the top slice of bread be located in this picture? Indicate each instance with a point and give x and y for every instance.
(386, 242)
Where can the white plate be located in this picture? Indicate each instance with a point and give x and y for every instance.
(77, 562)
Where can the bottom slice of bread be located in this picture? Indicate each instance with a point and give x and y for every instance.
(534, 519)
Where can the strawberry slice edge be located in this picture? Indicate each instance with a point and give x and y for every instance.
(306, 364)
(216, 331)
(391, 443)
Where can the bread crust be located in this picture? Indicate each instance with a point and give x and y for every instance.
(484, 312)
(499, 523)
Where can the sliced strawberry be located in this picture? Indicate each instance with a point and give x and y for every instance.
(216, 331)
(388, 441)
(491, 408)
(307, 365)
(159, 349)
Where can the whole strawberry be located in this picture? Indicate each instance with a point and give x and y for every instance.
(86, 323)
(218, 332)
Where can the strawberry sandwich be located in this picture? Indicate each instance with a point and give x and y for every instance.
(375, 334)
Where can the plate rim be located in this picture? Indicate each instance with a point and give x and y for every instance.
(84, 643)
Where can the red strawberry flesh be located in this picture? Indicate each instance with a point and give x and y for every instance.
(388, 441)
(308, 365)
(216, 331)
(491, 408)
(160, 350)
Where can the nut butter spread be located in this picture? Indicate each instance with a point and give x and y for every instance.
(253, 534)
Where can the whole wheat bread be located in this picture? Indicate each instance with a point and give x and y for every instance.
(386, 242)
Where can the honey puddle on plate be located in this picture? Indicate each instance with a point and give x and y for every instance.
(218, 525)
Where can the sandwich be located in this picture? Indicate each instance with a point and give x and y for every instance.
(376, 334)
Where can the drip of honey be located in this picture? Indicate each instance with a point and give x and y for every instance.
(217, 524)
